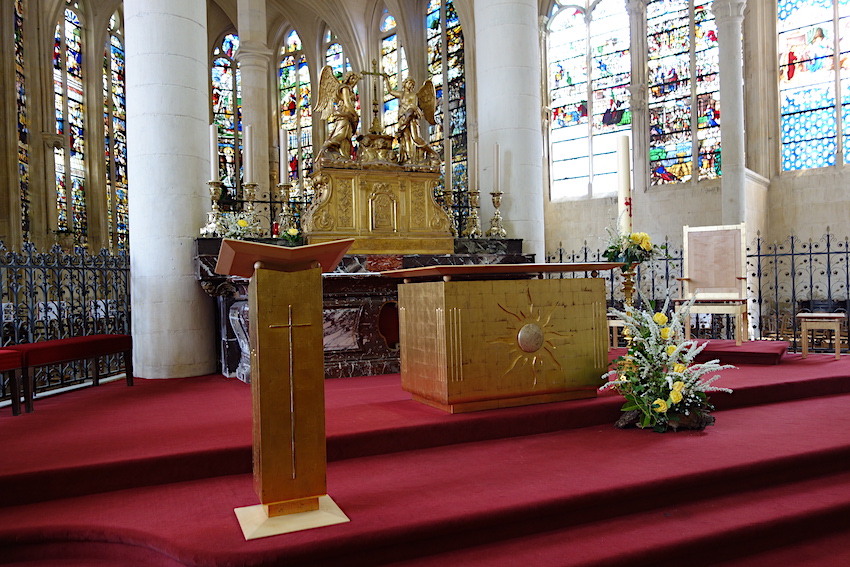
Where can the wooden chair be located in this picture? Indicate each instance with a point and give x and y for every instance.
(715, 264)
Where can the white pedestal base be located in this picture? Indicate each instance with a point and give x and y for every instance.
(256, 524)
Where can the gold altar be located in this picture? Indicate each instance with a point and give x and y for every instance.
(475, 344)
(387, 211)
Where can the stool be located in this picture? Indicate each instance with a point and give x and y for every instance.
(825, 321)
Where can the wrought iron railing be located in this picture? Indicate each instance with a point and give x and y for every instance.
(54, 295)
(784, 279)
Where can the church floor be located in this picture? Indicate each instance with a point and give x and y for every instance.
(149, 475)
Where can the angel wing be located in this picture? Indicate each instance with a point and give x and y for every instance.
(426, 98)
(328, 89)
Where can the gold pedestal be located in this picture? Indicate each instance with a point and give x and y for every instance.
(387, 212)
(474, 345)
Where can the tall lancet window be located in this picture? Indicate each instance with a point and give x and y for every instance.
(447, 71)
(115, 136)
(295, 113)
(813, 68)
(393, 63)
(335, 55)
(70, 155)
(227, 103)
(23, 122)
(589, 72)
(684, 91)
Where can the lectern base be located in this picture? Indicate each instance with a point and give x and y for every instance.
(256, 524)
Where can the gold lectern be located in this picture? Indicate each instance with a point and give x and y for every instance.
(287, 383)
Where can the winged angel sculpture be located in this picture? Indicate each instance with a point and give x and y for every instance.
(336, 104)
(412, 107)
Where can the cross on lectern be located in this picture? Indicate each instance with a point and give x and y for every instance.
(290, 326)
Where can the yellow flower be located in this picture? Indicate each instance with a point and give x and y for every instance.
(646, 244)
(660, 318)
(670, 350)
(242, 222)
(678, 386)
(680, 368)
(292, 232)
(675, 396)
(635, 237)
(659, 405)
(665, 332)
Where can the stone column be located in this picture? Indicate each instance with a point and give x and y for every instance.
(729, 15)
(510, 114)
(253, 57)
(168, 101)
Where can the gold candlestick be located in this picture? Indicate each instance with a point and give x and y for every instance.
(213, 227)
(473, 223)
(496, 230)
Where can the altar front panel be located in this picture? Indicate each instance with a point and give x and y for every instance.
(470, 345)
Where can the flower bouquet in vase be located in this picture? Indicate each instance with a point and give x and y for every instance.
(663, 386)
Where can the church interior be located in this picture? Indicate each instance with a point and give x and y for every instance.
(370, 262)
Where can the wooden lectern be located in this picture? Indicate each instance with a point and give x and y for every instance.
(287, 383)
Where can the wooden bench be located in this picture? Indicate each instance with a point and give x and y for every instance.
(10, 362)
(57, 351)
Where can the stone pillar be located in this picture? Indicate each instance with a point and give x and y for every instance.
(510, 109)
(168, 101)
(729, 15)
(253, 57)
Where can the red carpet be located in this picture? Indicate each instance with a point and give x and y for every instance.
(158, 468)
(748, 352)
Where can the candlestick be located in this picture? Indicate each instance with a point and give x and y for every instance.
(213, 152)
(624, 190)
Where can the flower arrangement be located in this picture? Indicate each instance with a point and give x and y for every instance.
(239, 226)
(631, 249)
(662, 385)
(291, 234)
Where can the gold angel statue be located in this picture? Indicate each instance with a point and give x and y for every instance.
(413, 106)
(336, 103)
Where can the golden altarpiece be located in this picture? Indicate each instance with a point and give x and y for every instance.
(384, 197)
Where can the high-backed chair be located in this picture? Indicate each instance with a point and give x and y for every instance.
(715, 264)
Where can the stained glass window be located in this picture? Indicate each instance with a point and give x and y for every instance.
(227, 111)
(684, 91)
(810, 74)
(296, 115)
(115, 137)
(394, 64)
(589, 72)
(23, 123)
(69, 157)
(446, 60)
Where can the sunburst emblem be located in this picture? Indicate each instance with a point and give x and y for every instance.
(533, 339)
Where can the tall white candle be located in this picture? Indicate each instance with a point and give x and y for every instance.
(497, 172)
(472, 166)
(247, 151)
(213, 152)
(449, 172)
(624, 189)
(284, 156)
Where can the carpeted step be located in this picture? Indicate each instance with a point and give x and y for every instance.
(413, 504)
(161, 431)
(701, 532)
(748, 352)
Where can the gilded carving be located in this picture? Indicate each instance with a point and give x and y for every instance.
(383, 206)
